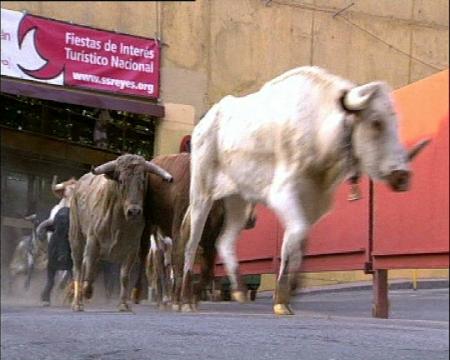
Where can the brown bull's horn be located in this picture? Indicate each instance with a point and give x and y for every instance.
(155, 169)
(358, 97)
(105, 168)
(416, 149)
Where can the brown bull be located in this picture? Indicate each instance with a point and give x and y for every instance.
(166, 207)
(106, 221)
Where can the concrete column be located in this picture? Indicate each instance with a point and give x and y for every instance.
(178, 122)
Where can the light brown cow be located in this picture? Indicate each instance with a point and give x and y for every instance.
(106, 221)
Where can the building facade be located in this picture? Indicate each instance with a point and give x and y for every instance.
(212, 48)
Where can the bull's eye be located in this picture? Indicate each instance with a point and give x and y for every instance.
(377, 125)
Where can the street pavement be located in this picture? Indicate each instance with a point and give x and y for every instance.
(328, 326)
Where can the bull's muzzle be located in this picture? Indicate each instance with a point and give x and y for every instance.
(133, 212)
(399, 180)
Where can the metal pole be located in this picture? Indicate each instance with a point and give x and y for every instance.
(414, 278)
(380, 308)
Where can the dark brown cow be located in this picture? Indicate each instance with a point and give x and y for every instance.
(106, 221)
(166, 207)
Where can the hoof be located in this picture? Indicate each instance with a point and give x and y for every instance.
(135, 296)
(77, 307)
(282, 309)
(239, 296)
(46, 303)
(176, 307)
(187, 308)
(124, 308)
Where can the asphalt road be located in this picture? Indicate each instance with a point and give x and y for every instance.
(326, 326)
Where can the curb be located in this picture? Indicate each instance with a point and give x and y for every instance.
(393, 285)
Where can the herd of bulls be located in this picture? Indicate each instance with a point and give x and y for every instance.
(287, 146)
(125, 211)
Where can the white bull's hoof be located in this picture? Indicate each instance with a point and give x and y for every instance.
(124, 307)
(282, 309)
(239, 296)
(176, 307)
(45, 304)
(77, 307)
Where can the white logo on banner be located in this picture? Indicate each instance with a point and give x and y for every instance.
(26, 56)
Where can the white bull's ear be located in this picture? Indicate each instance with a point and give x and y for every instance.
(358, 98)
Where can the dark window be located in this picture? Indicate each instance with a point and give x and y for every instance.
(125, 132)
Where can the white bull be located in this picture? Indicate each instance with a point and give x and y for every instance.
(289, 146)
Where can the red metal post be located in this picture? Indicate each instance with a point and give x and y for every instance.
(380, 307)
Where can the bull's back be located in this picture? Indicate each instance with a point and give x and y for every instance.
(89, 192)
(90, 203)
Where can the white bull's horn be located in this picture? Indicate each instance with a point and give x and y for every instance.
(105, 168)
(58, 186)
(358, 97)
(155, 169)
(55, 186)
(54, 181)
(416, 149)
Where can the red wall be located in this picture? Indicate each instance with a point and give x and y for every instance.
(410, 230)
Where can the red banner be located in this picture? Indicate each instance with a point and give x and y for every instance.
(83, 56)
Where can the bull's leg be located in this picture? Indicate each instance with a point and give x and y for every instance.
(289, 211)
(207, 270)
(125, 270)
(166, 278)
(199, 211)
(167, 291)
(149, 271)
(69, 288)
(180, 233)
(77, 243)
(235, 220)
(78, 301)
(158, 276)
(178, 261)
(77, 246)
(143, 251)
(77, 257)
(45, 296)
(90, 260)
